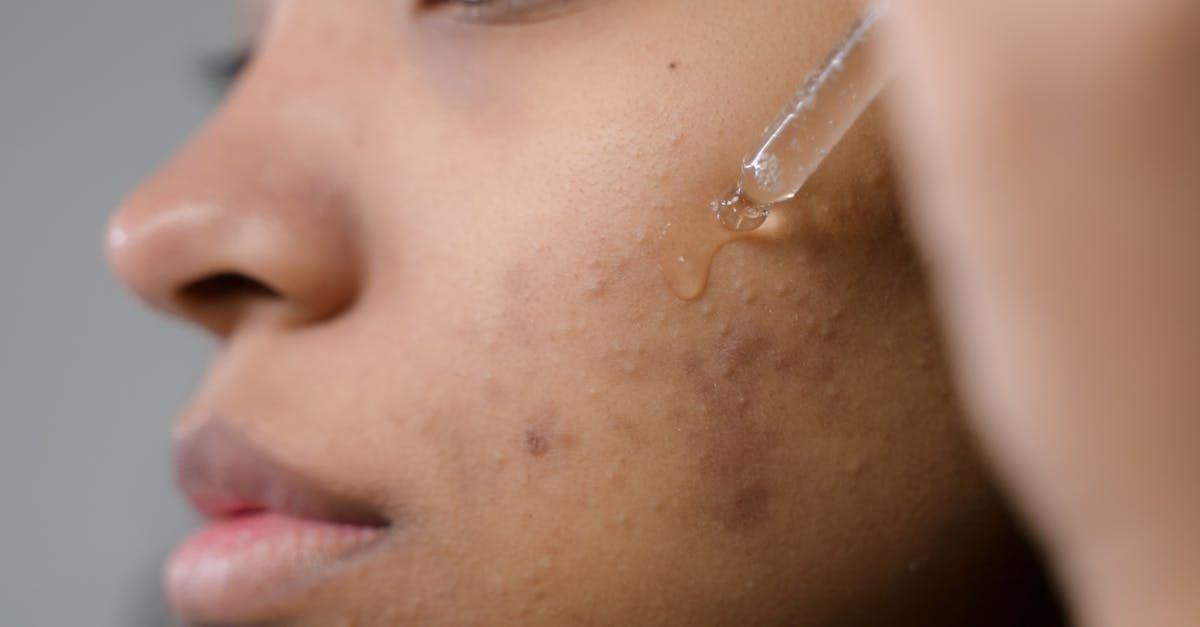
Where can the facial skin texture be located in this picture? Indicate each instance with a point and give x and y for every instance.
(450, 307)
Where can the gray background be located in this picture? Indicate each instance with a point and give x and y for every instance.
(93, 94)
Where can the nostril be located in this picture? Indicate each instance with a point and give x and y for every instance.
(226, 286)
(218, 300)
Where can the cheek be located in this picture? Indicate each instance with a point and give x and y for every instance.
(546, 393)
(586, 374)
(550, 347)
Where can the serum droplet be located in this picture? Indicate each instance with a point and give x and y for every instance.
(736, 213)
(686, 248)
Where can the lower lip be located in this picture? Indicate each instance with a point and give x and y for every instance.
(243, 568)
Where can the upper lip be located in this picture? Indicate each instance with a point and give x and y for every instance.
(224, 475)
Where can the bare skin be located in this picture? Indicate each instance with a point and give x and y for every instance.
(428, 249)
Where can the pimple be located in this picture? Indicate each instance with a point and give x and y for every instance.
(595, 278)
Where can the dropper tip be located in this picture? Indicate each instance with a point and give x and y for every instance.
(736, 213)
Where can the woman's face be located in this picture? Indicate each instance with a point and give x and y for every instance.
(429, 247)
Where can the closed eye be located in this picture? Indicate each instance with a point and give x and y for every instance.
(504, 11)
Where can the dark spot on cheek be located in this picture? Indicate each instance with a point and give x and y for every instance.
(749, 506)
(673, 65)
(739, 350)
(732, 438)
(542, 435)
(536, 442)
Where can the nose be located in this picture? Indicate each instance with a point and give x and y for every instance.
(243, 226)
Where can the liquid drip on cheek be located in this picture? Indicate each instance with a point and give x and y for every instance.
(687, 245)
(811, 124)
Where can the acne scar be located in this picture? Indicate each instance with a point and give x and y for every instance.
(536, 442)
(749, 506)
(541, 436)
(733, 444)
(740, 349)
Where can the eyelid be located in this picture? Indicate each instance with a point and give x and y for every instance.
(511, 11)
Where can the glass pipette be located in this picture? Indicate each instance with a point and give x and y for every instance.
(811, 124)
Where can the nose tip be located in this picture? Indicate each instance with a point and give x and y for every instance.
(250, 251)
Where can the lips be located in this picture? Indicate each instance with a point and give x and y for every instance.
(272, 533)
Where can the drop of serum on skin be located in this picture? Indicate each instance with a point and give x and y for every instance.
(687, 248)
(736, 213)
